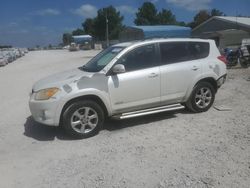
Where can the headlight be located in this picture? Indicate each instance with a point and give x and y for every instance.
(46, 94)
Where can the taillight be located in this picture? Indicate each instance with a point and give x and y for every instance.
(223, 59)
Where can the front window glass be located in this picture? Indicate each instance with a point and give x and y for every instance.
(102, 59)
(139, 58)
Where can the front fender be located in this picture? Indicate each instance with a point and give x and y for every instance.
(80, 93)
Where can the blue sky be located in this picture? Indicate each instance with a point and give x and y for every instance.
(27, 23)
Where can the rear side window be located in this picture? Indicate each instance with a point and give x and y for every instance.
(174, 52)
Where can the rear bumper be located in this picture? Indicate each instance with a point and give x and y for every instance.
(221, 80)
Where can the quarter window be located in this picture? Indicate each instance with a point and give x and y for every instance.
(198, 50)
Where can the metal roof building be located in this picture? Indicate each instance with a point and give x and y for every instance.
(225, 30)
(84, 41)
(81, 39)
(155, 31)
(217, 23)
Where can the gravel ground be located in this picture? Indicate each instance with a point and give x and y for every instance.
(174, 149)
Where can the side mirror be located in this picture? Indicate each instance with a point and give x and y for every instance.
(119, 68)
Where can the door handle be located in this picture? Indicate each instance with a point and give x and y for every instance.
(153, 75)
(195, 68)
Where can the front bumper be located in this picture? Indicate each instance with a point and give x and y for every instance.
(44, 111)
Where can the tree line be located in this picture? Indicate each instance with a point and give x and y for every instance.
(147, 14)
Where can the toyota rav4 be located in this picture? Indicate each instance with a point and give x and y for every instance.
(129, 80)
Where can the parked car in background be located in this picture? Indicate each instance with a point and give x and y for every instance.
(25, 50)
(8, 55)
(130, 80)
(17, 52)
(11, 54)
(73, 47)
(3, 60)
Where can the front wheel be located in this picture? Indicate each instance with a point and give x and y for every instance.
(201, 98)
(83, 119)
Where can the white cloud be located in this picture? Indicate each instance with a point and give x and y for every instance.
(191, 5)
(87, 11)
(47, 12)
(125, 9)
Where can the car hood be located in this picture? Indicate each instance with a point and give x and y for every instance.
(60, 79)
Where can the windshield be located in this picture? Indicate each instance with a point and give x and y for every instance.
(102, 59)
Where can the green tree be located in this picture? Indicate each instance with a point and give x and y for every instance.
(204, 15)
(216, 12)
(181, 23)
(67, 38)
(146, 15)
(78, 32)
(199, 18)
(166, 17)
(50, 46)
(88, 26)
(114, 23)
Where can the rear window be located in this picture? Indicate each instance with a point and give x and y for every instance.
(174, 52)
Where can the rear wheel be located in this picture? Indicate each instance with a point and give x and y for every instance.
(83, 119)
(201, 98)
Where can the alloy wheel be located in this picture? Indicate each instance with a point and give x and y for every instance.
(84, 120)
(203, 97)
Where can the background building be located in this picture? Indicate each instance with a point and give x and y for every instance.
(84, 41)
(225, 30)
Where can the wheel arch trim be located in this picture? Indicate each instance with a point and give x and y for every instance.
(102, 100)
(206, 78)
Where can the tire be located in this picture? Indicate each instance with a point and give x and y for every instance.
(83, 119)
(202, 97)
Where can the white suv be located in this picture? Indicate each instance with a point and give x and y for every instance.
(129, 80)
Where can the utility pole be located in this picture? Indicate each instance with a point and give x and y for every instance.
(107, 28)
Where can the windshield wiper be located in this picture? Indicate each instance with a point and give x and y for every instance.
(84, 68)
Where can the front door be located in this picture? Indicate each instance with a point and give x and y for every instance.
(139, 86)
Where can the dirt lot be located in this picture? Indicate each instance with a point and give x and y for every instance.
(174, 149)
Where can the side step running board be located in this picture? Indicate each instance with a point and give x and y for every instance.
(149, 111)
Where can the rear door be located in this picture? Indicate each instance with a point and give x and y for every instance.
(181, 64)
